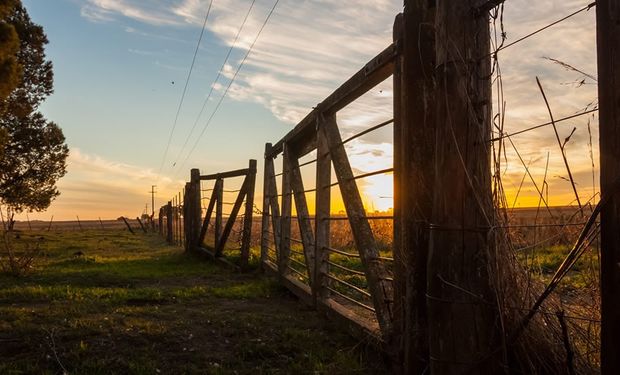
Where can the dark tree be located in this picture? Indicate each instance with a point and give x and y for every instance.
(35, 152)
(37, 80)
(10, 69)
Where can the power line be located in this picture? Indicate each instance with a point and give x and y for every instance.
(219, 74)
(230, 84)
(189, 75)
(585, 8)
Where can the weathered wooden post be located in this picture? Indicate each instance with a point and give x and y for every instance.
(608, 47)
(160, 218)
(285, 219)
(462, 320)
(169, 227)
(249, 209)
(187, 210)
(179, 217)
(322, 216)
(141, 224)
(264, 243)
(174, 219)
(128, 225)
(414, 141)
(219, 211)
(195, 211)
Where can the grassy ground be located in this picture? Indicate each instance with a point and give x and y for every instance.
(132, 305)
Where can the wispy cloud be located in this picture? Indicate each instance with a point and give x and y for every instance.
(106, 10)
(311, 47)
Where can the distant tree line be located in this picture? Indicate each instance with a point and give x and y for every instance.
(33, 151)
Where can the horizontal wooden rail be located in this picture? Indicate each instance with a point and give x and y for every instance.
(377, 70)
(229, 174)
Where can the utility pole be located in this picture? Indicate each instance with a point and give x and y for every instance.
(608, 47)
(153, 191)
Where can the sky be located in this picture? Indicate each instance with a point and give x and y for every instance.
(121, 66)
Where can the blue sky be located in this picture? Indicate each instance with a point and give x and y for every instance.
(115, 62)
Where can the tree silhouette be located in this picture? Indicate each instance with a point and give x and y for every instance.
(35, 151)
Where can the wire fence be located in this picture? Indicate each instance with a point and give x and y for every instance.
(544, 176)
(334, 227)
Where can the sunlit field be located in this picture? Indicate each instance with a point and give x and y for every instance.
(102, 302)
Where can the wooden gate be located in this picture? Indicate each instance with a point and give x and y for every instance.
(359, 287)
(214, 213)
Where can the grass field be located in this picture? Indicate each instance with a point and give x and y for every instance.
(109, 302)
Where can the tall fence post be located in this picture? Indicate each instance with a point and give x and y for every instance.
(264, 243)
(322, 215)
(414, 139)
(160, 219)
(179, 216)
(219, 208)
(188, 209)
(169, 226)
(462, 319)
(285, 219)
(248, 217)
(608, 50)
(194, 202)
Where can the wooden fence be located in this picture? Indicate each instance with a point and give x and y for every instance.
(186, 222)
(312, 273)
(428, 286)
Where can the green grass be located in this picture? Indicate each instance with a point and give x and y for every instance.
(544, 261)
(132, 305)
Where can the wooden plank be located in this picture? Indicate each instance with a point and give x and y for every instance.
(179, 217)
(400, 313)
(247, 217)
(127, 224)
(322, 224)
(359, 327)
(169, 222)
(376, 273)
(462, 327)
(160, 219)
(219, 209)
(305, 143)
(141, 224)
(221, 243)
(285, 219)
(608, 50)
(195, 211)
(414, 140)
(207, 220)
(186, 209)
(229, 174)
(273, 204)
(264, 243)
(377, 70)
(303, 215)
